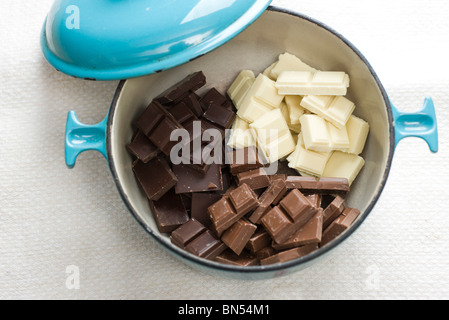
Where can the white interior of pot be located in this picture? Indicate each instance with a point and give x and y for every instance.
(256, 48)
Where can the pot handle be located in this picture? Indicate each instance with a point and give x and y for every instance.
(81, 137)
(421, 124)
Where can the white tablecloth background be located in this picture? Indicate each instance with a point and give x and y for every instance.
(52, 218)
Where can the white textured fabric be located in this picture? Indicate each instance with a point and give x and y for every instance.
(52, 218)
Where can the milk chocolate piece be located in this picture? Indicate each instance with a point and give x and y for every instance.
(190, 180)
(293, 212)
(141, 147)
(155, 177)
(201, 201)
(298, 207)
(244, 199)
(271, 196)
(206, 246)
(182, 89)
(289, 255)
(232, 207)
(243, 160)
(322, 185)
(238, 235)
(169, 211)
(315, 199)
(259, 240)
(244, 259)
(310, 233)
(184, 234)
(255, 179)
(333, 210)
(339, 225)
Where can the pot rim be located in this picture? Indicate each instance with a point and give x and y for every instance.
(279, 266)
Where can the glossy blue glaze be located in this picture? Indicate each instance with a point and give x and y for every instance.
(81, 137)
(421, 124)
(120, 39)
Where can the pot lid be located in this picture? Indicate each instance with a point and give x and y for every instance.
(120, 39)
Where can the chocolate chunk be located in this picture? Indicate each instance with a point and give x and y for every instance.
(243, 260)
(219, 117)
(182, 89)
(184, 234)
(315, 199)
(310, 233)
(192, 102)
(206, 246)
(278, 225)
(289, 255)
(272, 195)
(298, 207)
(160, 135)
(255, 179)
(232, 207)
(213, 97)
(141, 147)
(266, 252)
(339, 225)
(322, 185)
(243, 160)
(333, 210)
(151, 117)
(201, 201)
(238, 235)
(191, 180)
(182, 113)
(155, 177)
(169, 211)
(244, 199)
(259, 240)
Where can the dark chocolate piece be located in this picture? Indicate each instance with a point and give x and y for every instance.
(141, 147)
(238, 235)
(255, 179)
(243, 260)
(310, 233)
(151, 117)
(289, 255)
(160, 135)
(339, 225)
(219, 117)
(271, 196)
(212, 96)
(192, 102)
(322, 185)
(155, 177)
(182, 113)
(184, 234)
(182, 89)
(191, 180)
(169, 211)
(201, 201)
(243, 160)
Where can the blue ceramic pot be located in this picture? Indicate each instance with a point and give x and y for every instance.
(275, 32)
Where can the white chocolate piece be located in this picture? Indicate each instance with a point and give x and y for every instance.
(294, 108)
(289, 62)
(241, 85)
(285, 112)
(272, 135)
(307, 161)
(335, 109)
(343, 165)
(267, 71)
(261, 98)
(358, 130)
(241, 136)
(322, 136)
(312, 83)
